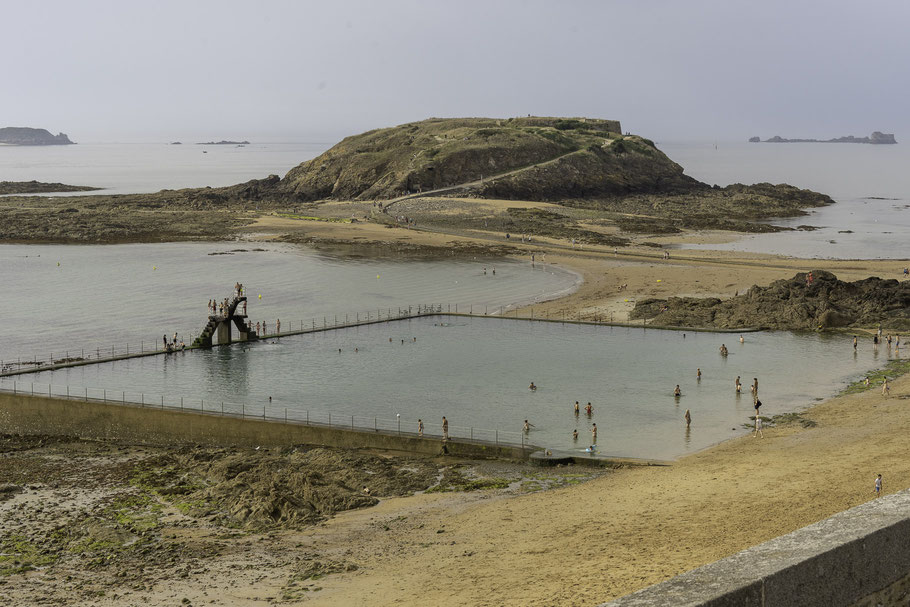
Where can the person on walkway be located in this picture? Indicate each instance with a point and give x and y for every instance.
(688, 417)
(164, 341)
(878, 485)
(419, 427)
(445, 428)
(758, 431)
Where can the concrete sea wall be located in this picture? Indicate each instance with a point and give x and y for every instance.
(857, 557)
(43, 415)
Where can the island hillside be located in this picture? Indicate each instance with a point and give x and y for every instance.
(877, 137)
(16, 135)
(577, 179)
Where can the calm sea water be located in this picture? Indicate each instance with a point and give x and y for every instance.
(476, 372)
(869, 182)
(59, 298)
(126, 168)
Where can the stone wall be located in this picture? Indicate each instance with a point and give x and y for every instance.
(857, 557)
(42, 415)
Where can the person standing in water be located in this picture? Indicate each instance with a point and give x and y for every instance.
(677, 392)
(741, 339)
(445, 428)
(738, 385)
(594, 433)
(698, 374)
(589, 409)
(575, 435)
(854, 342)
(532, 386)
(576, 408)
(419, 427)
(688, 417)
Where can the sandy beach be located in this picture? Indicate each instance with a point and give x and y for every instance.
(579, 544)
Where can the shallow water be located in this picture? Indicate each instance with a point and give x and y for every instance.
(476, 371)
(870, 220)
(60, 299)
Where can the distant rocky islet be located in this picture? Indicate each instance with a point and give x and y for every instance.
(21, 135)
(877, 137)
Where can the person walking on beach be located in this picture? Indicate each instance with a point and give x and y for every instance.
(758, 431)
(878, 485)
(688, 417)
(445, 428)
(886, 389)
(419, 427)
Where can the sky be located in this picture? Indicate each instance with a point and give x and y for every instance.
(278, 70)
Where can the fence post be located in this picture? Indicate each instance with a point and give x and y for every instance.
(86, 394)
(285, 415)
(242, 409)
(497, 437)
(162, 401)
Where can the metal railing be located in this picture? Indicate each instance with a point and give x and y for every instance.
(268, 412)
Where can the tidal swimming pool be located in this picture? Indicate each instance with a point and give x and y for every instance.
(476, 372)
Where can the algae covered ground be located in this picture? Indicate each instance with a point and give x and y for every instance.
(93, 521)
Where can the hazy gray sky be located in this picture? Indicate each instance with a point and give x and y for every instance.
(285, 70)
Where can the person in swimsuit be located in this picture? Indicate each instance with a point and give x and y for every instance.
(576, 408)
(589, 409)
(698, 374)
(419, 427)
(738, 385)
(677, 392)
(688, 417)
(878, 485)
(575, 435)
(445, 428)
(532, 386)
(758, 431)
(594, 433)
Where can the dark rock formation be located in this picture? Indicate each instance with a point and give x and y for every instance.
(38, 187)
(15, 135)
(754, 139)
(223, 142)
(795, 303)
(876, 137)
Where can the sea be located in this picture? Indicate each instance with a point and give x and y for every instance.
(63, 299)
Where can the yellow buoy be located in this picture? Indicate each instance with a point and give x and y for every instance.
(377, 277)
(260, 296)
(154, 267)
(658, 280)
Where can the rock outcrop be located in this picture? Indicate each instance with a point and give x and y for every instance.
(876, 137)
(15, 135)
(796, 303)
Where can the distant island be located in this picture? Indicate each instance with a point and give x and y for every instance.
(23, 135)
(223, 142)
(876, 137)
(38, 187)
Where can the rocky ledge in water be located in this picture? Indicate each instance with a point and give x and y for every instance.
(223, 142)
(809, 300)
(22, 135)
(39, 187)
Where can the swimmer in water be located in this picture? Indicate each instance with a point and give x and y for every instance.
(576, 408)
(677, 392)
(575, 435)
(532, 386)
(741, 339)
